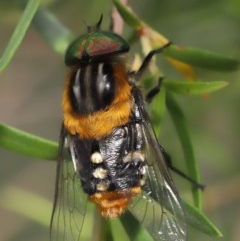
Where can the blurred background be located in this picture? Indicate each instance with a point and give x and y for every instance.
(30, 99)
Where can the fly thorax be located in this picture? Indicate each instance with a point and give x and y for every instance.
(92, 88)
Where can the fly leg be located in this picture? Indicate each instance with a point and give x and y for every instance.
(168, 161)
(137, 75)
(154, 91)
(147, 60)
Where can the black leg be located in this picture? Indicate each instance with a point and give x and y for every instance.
(154, 91)
(147, 60)
(168, 161)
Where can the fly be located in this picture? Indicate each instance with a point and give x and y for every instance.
(108, 152)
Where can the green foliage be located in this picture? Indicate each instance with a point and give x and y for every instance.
(27, 144)
(202, 58)
(194, 88)
(19, 32)
(52, 30)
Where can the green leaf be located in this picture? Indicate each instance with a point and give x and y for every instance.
(199, 221)
(19, 32)
(202, 58)
(118, 231)
(27, 144)
(133, 228)
(129, 17)
(181, 127)
(194, 87)
(102, 227)
(52, 30)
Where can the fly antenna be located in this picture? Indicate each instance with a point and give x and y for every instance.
(88, 26)
(98, 25)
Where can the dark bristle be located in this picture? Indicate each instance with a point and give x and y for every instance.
(98, 25)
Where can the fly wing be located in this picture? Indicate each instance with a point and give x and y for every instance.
(70, 201)
(159, 207)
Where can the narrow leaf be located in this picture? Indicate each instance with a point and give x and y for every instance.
(202, 58)
(181, 127)
(129, 17)
(118, 231)
(194, 88)
(133, 228)
(52, 30)
(199, 221)
(101, 227)
(19, 32)
(27, 144)
(185, 69)
(154, 39)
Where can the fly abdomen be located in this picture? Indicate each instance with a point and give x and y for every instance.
(114, 163)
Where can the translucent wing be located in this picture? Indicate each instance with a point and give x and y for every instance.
(159, 207)
(70, 201)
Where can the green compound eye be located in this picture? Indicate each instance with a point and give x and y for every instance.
(95, 45)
